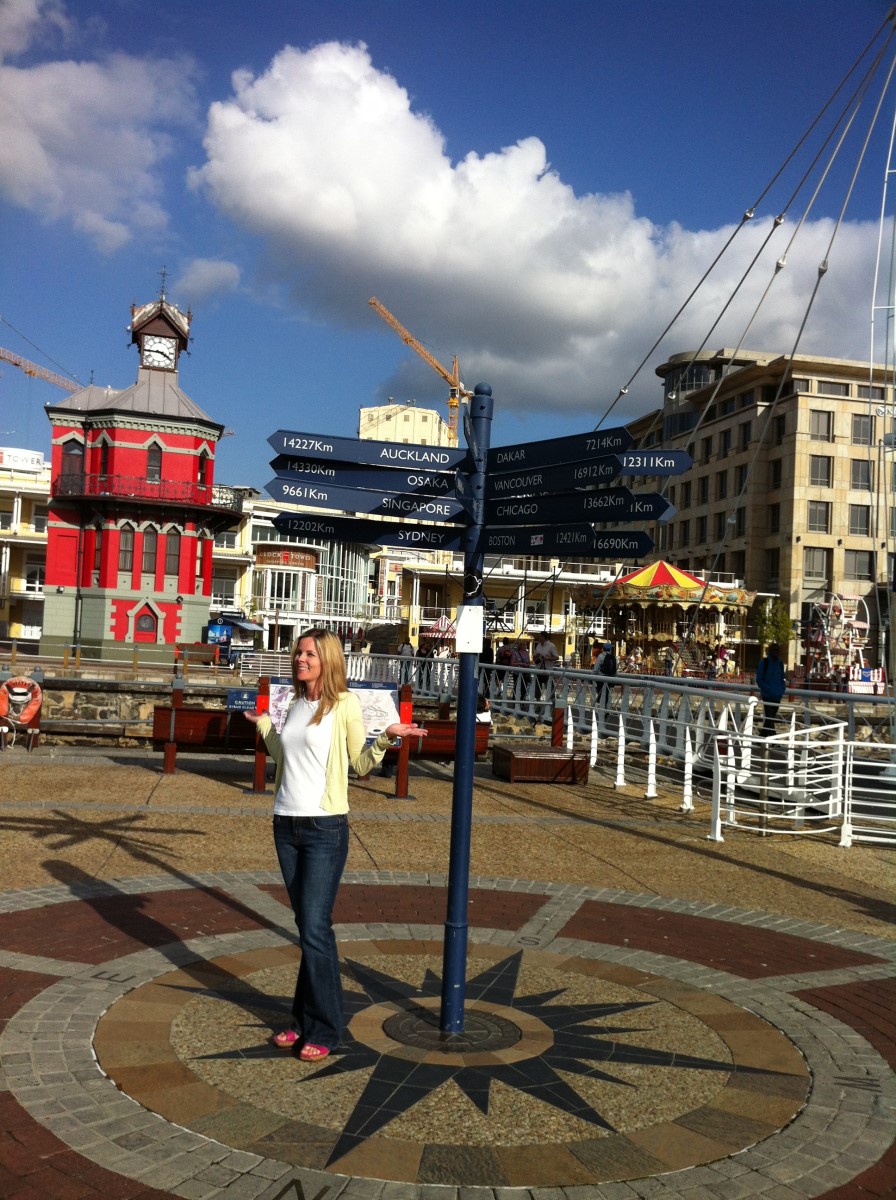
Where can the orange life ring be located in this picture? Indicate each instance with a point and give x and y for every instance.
(21, 682)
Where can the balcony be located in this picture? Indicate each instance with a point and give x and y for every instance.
(127, 487)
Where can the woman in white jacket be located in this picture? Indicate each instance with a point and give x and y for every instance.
(322, 735)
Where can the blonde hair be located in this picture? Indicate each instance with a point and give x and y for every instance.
(333, 679)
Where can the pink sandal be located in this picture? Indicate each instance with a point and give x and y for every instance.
(312, 1053)
(286, 1038)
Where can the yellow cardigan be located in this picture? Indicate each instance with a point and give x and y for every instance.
(347, 747)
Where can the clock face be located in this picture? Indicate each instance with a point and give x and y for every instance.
(159, 351)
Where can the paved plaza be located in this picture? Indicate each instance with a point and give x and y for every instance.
(648, 1013)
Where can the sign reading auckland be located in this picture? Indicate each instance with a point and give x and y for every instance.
(320, 447)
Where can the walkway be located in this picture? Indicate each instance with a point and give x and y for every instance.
(648, 1013)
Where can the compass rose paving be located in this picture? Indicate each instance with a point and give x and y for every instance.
(619, 1041)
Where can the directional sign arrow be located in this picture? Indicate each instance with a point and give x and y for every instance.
(321, 447)
(616, 504)
(383, 504)
(559, 450)
(579, 540)
(375, 479)
(541, 481)
(377, 533)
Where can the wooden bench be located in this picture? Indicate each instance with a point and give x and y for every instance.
(539, 764)
(440, 742)
(207, 731)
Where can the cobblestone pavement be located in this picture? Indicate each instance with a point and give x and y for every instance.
(647, 1015)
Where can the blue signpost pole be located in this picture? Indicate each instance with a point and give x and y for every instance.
(454, 962)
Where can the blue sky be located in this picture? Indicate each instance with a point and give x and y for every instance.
(535, 187)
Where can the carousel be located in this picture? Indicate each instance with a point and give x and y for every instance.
(664, 620)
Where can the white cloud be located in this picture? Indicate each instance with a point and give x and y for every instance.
(22, 20)
(553, 298)
(83, 141)
(205, 278)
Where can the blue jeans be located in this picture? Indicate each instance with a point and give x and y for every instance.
(312, 853)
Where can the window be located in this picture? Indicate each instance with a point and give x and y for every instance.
(686, 495)
(820, 470)
(745, 431)
(800, 385)
(821, 426)
(703, 490)
(34, 575)
(706, 450)
(773, 564)
(39, 518)
(720, 526)
(126, 548)
(226, 540)
(859, 521)
(862, 429)
(857, 564)
(872, 392)
(172, 552)
(740, 522)
(721, 485)
(774, 518)
(701, 529)
(829, 388)
(6, 518)
(892, 524)
(740, 478)
(774, 481)
(860, 475)
(97, 547)
(154, 465)
(105, 450)
(684, 533)
(747, 400)
(815, 563)
(819, 520)
(738, 563)
(724, 441)
(780, 428)
(150, 546)
(203, 472)
(72, 459)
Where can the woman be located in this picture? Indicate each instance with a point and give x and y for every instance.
(322, 734)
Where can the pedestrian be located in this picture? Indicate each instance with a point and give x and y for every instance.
(322, 735)
(605, 666)
(544, 658)
(406, 666)
(771, 681)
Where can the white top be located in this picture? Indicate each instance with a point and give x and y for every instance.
(306, 749)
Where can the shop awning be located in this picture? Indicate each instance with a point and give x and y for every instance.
(247, 626)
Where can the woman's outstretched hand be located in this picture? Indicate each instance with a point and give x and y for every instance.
(402, 729)
(254, 717)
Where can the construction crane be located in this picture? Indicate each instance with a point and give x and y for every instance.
(31, 368)
(457, 391)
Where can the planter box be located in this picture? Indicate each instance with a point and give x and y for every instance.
(531, 764)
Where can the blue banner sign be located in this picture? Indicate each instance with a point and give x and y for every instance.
(321, 447)
(608, 504)
(383, 504)
(579, 541)
(375, 479)
(370, 532)
(545, 481)
(557, 451)
(241, 699)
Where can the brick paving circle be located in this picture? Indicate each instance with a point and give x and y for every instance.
(75, 961)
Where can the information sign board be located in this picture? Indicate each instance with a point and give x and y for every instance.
(242, 699)
(579, 540)
(371, 532)
(541, 481)
(555, 451)
(386, 479)
(321, 447)
(384, 504)
(608, 504)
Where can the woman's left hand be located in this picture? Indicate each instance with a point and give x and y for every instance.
(401, 729)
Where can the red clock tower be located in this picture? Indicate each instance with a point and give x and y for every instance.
(134, 508)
